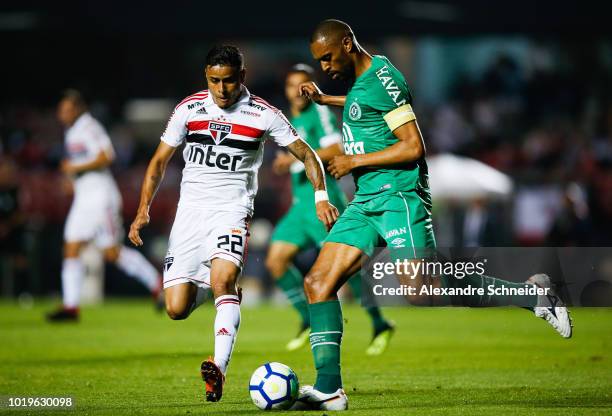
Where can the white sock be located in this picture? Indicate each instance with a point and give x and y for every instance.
(72, 276)
(226, 328)
(135, 265)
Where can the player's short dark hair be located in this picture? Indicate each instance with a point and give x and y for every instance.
(303, 68)
(332, 28)
(225, 55)
(75, 96)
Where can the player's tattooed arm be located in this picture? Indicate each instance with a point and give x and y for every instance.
(153, 177)
(311, 90)
(409, 148)
(100, 162)
(312, 164)
(326, 212)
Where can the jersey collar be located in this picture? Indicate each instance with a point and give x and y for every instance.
(245, 97)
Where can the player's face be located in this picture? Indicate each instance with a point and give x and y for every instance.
(292, 83)
(224, 82)
(334, 59)
(67, 112)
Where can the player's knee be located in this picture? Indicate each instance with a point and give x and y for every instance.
(316, 287)
(111, 255)
(71, 250)
(177, 311)
(276, 266)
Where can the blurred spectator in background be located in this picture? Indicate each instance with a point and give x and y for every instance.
(540, 111)
(13, 260)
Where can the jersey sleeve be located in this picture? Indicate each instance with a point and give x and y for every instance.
(392, 97)
(329, 133)
(281, 131)
(176, 129)
(99, 141)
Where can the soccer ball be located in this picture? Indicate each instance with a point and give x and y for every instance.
(274, 386)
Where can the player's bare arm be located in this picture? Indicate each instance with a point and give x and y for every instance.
(284, 160)
(409, 148)
(103, 160)
(326, 212)
(326, 154)
(153, 177)
(312, 91)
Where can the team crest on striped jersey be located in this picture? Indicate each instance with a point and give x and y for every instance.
(219, 131)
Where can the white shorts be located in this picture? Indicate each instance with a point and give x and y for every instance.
(97, 221)
(198, 236)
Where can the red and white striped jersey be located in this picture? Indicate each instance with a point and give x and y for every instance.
(224, 148)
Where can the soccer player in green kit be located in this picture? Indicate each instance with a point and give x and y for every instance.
(300, 229)
(384, 151)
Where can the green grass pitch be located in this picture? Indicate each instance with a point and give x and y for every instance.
(124, 359)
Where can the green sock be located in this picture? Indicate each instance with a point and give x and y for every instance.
(325, 338)
(378, 322)
(482, 281)
(292, 283)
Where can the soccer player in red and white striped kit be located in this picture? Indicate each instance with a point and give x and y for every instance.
(223, 129)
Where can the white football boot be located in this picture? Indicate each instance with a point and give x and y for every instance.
(550, 307)
(311, 399)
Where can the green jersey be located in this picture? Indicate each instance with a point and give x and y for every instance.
(317, 126)
(378, 102)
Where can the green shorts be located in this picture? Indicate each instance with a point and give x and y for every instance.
(401, 221)
(300, 225)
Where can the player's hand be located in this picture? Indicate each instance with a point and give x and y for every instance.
(66, 186)
(282, 163)
(311, 90)
(341, 165)
(327, 214)
(67, 168)
(142, 219)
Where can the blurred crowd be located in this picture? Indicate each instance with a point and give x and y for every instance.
(549, 129)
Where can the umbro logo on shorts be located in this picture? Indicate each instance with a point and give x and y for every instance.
(398, 242)
(223, 331)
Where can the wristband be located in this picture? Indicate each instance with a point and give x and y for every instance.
(321, 196)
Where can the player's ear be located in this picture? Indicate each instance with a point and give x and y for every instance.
(242, 75)
(347, 44)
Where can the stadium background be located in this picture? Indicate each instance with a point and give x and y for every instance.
(526, 90)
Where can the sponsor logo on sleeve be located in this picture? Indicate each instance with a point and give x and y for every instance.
(390, 85)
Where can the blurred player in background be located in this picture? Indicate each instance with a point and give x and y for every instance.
(95, 214)
(384, 151)
(300, 229)
(224, 129)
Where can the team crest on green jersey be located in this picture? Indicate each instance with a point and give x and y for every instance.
(354, 111)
